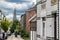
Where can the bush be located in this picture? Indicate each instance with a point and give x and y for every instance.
(24, 34)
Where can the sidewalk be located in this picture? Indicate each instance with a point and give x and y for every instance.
(12, 37)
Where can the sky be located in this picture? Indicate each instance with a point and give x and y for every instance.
(8, 6)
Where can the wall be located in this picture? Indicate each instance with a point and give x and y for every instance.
(27, 22)
(23, 21)
(32, 35)
(29, 13)
(49, 23)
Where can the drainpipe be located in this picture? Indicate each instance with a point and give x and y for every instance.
(58, 19)
(55, 32)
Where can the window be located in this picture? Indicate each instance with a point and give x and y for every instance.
(43, 19)
(53, 2)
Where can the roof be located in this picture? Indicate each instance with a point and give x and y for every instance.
(32, 8)
(22, 15)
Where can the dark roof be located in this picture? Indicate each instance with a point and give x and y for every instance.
(22, 15)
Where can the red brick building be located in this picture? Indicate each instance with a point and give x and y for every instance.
(29, 13)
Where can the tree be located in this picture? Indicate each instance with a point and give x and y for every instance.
(15, 26)
(18, 27)
(5, 24)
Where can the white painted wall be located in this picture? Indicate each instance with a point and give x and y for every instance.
(38, 10)
(43, 13)
(54, 8)
(48, 7)
(49, 24)
(32, 35)
(50, 27)
(39, 28)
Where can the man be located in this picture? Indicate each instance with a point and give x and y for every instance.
(3, 36)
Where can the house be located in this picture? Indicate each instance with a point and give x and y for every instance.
(23, 21)
(29, 13)
(33, 23)
(47, 20)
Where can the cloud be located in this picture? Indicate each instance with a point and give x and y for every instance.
(10, 17)
(34, 1)
(19, 17)
(16, 5)
(8, 7)
(21, 7)
(13, 5)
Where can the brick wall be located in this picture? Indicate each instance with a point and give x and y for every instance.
(29, 13)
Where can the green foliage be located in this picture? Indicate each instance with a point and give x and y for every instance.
(26, 38)
(18, 27)
(5, 24)
(15, 26)
(24, 34)
(12, 28)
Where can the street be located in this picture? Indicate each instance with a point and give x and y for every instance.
(12, 37)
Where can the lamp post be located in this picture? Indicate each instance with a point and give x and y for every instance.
(59, 19)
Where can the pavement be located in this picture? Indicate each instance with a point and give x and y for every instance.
(12, 37)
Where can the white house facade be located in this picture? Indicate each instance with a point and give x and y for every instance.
(47, 20)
